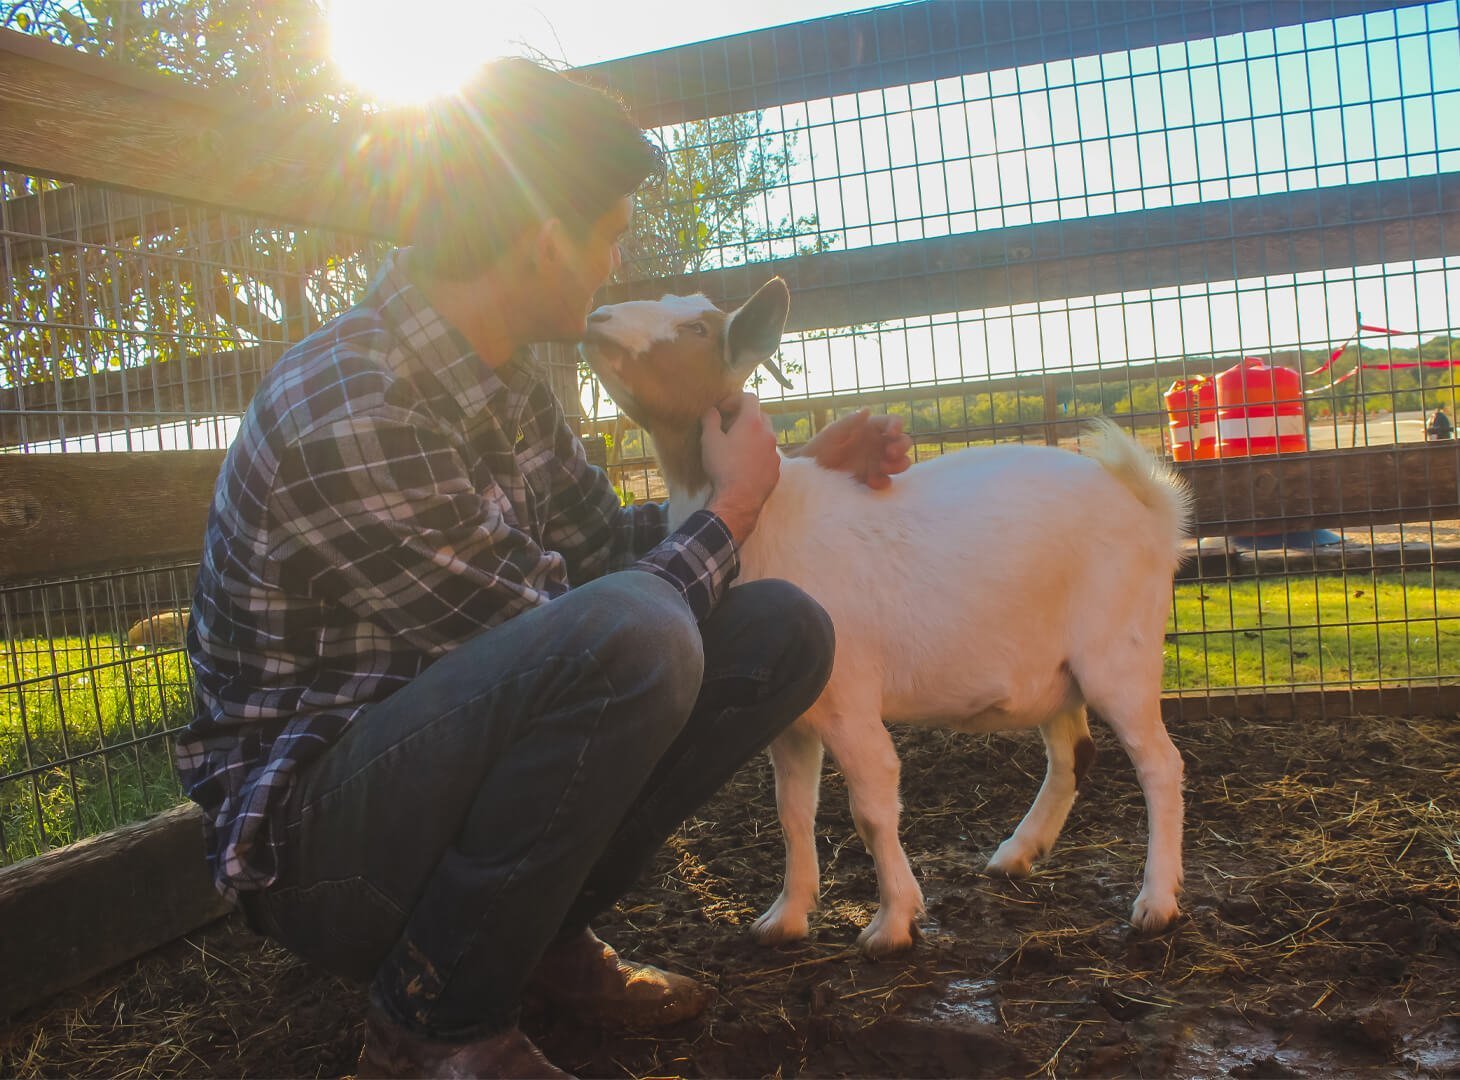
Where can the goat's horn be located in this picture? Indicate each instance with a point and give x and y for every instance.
(775, 369)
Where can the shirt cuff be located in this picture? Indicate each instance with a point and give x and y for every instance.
(699, 559)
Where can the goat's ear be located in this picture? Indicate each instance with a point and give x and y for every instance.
(754, 332)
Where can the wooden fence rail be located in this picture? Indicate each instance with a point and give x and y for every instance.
(72, 116)
(66, 514)
(911, 43)
(1289, 233)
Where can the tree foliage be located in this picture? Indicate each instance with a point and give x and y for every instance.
(187, 281)
(270, 51)
(717, 203)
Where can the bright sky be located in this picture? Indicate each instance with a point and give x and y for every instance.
(441, 42)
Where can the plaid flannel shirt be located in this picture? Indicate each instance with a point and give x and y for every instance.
(388, 496)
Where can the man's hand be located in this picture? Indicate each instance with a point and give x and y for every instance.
(741, 462)
(872, 448)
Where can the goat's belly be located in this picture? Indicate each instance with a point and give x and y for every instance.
(982, 710)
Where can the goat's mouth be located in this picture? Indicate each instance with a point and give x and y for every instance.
(600, 353)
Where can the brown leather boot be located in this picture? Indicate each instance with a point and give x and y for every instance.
(586, 977)
(394, 1051)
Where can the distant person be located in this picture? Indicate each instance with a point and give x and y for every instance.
(1439, 426)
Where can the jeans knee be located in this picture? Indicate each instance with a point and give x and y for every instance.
(792, 624)
(652, 645)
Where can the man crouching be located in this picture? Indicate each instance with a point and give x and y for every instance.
(451, 696)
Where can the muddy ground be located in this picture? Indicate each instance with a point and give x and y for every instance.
(1322, 936)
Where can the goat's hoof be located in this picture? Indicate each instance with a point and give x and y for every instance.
(779, 926)
(887, 937)
(1010, 862)
(1152, 914)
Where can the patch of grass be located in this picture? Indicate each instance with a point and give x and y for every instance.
(1326, 629)
(83, 738)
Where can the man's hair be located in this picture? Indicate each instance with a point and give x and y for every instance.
(519, 145)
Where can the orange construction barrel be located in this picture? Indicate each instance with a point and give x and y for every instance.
(1192, 406)
(1260, 410)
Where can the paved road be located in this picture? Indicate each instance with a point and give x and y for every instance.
(1331, 433)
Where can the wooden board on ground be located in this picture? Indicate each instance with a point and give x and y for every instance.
(73, 913)
(1298, 705)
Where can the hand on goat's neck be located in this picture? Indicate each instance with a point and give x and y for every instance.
(681, 460)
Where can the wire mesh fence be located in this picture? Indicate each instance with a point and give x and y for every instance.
(94, 680)
(132, 324)
(136, 324)
(1345, 120)
(1021, 239)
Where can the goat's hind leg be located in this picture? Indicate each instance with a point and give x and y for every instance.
(1069, 751)
(1132, 708)
(796, 754)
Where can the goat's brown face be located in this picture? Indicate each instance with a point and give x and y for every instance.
(666, 361)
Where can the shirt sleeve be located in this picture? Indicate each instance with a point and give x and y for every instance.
(699, 559)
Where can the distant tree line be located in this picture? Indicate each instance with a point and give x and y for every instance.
(927, 412)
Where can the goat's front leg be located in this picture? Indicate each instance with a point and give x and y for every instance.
(796, 754)
(862, 746)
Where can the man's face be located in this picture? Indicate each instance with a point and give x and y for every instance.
(585, 266)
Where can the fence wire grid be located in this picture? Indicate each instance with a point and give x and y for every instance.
(984, 253)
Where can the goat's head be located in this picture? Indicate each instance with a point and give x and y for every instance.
(666, 361)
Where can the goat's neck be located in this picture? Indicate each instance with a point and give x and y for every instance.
(679, 454)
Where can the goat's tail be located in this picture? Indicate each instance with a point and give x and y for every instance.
(1147, 478)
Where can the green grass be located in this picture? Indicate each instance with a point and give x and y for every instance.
(1306, 630)
(82, 738)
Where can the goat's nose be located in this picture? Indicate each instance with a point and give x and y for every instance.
(598, 316)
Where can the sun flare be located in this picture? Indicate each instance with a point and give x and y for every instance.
(403, 54)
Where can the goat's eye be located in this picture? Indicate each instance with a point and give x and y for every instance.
(697, 328)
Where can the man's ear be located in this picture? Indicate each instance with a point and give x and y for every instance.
(753, 333)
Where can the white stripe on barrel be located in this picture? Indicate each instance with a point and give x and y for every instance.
(1262, 427)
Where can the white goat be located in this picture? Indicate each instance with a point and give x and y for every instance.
(990, 589)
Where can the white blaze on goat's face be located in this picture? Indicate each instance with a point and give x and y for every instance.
(666, 361)
(638, 325)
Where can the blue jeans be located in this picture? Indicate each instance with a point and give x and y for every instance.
(519, 786)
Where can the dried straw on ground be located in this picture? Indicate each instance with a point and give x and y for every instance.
(1323, 886)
